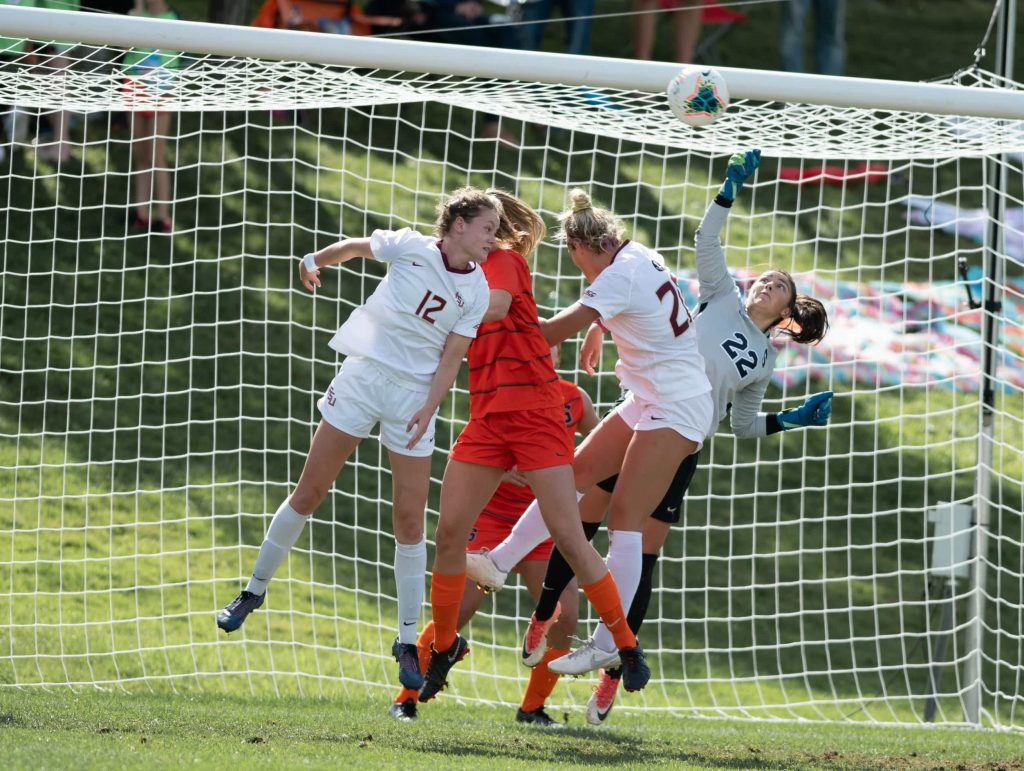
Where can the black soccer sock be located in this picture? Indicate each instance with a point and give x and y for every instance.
(642, 598)
(558, 576)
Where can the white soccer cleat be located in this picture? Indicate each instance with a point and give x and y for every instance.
(584, 659)
(481, 569)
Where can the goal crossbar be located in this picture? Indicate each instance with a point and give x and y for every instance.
(469, 61)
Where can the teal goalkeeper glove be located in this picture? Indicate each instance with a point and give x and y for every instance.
(741, 167)
(813, 412)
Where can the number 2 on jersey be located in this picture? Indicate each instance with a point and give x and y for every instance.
(678, 325)
(425, 311)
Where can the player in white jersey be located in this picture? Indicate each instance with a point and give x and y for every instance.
(403, 350)
(664, 420)
(733, 335)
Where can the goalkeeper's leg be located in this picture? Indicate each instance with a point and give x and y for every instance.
(327, 454)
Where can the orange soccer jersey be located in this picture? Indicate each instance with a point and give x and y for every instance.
(510, 366)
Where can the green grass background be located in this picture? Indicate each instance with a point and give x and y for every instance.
(156, 403)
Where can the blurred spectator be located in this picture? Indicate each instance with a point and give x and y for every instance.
(110, 6)
(411, 16)
(464, 22)
(448, 21)
(52, 58)
(829, 45)
(577, 15)
(15, 120)
(339, 17)
(686, 20)
(229, 11)
(149, 75)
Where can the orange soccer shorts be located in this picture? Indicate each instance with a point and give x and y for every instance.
(527, 439)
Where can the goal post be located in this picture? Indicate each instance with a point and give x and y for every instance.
(159, 364)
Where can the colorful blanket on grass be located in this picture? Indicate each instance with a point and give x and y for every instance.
(890, 334)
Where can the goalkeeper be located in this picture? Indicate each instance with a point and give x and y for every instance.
(733, 336)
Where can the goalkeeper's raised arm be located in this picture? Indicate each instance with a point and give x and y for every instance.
(712, 271)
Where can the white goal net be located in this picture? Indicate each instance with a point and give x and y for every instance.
(160, 363)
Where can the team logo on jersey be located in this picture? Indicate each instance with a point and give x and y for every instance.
(459, 301)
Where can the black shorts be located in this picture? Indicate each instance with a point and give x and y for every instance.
(669, 509)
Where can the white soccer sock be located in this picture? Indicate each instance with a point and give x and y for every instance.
(410, 572)
(281, 536)
(528, 533)
(625, 562)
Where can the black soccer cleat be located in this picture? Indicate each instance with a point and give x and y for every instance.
(635, 672)
(408, 660)
(440, 665)
(537, 717)
(403, 710)
(234, 615)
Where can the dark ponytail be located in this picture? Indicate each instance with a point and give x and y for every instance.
(809, 318)
(807, 322)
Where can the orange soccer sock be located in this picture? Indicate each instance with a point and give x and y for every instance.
(604, 597)
(423, 651)
(445, 598)
(423, 645)
(542, 681)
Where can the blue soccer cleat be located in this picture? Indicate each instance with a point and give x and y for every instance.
(408, 660)
(234, 615)
(635, 672)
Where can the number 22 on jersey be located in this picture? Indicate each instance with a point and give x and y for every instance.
(743, 357)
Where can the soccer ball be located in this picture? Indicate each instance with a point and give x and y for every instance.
(698, 96)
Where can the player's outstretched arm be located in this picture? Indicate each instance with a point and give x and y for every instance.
(748, 422)
(712, 271)
(335, 254)
(815, 411)
(741, 168)
(455, 348)
(567, 323)
(498, 305)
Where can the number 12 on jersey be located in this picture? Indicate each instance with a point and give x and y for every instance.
(425, 311)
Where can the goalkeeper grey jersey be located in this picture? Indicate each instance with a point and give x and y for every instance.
(738, 357)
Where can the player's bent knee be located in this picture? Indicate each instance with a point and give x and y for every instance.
(449, 541)
(573, 549)
(408, 525)
(307, 498)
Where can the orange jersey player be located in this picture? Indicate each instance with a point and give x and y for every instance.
(492, 526)
(516, 420)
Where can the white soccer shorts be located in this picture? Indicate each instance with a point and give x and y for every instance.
(691, 417)
(362, 395)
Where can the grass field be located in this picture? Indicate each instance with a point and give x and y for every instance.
(88, 729)
(155, 406)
